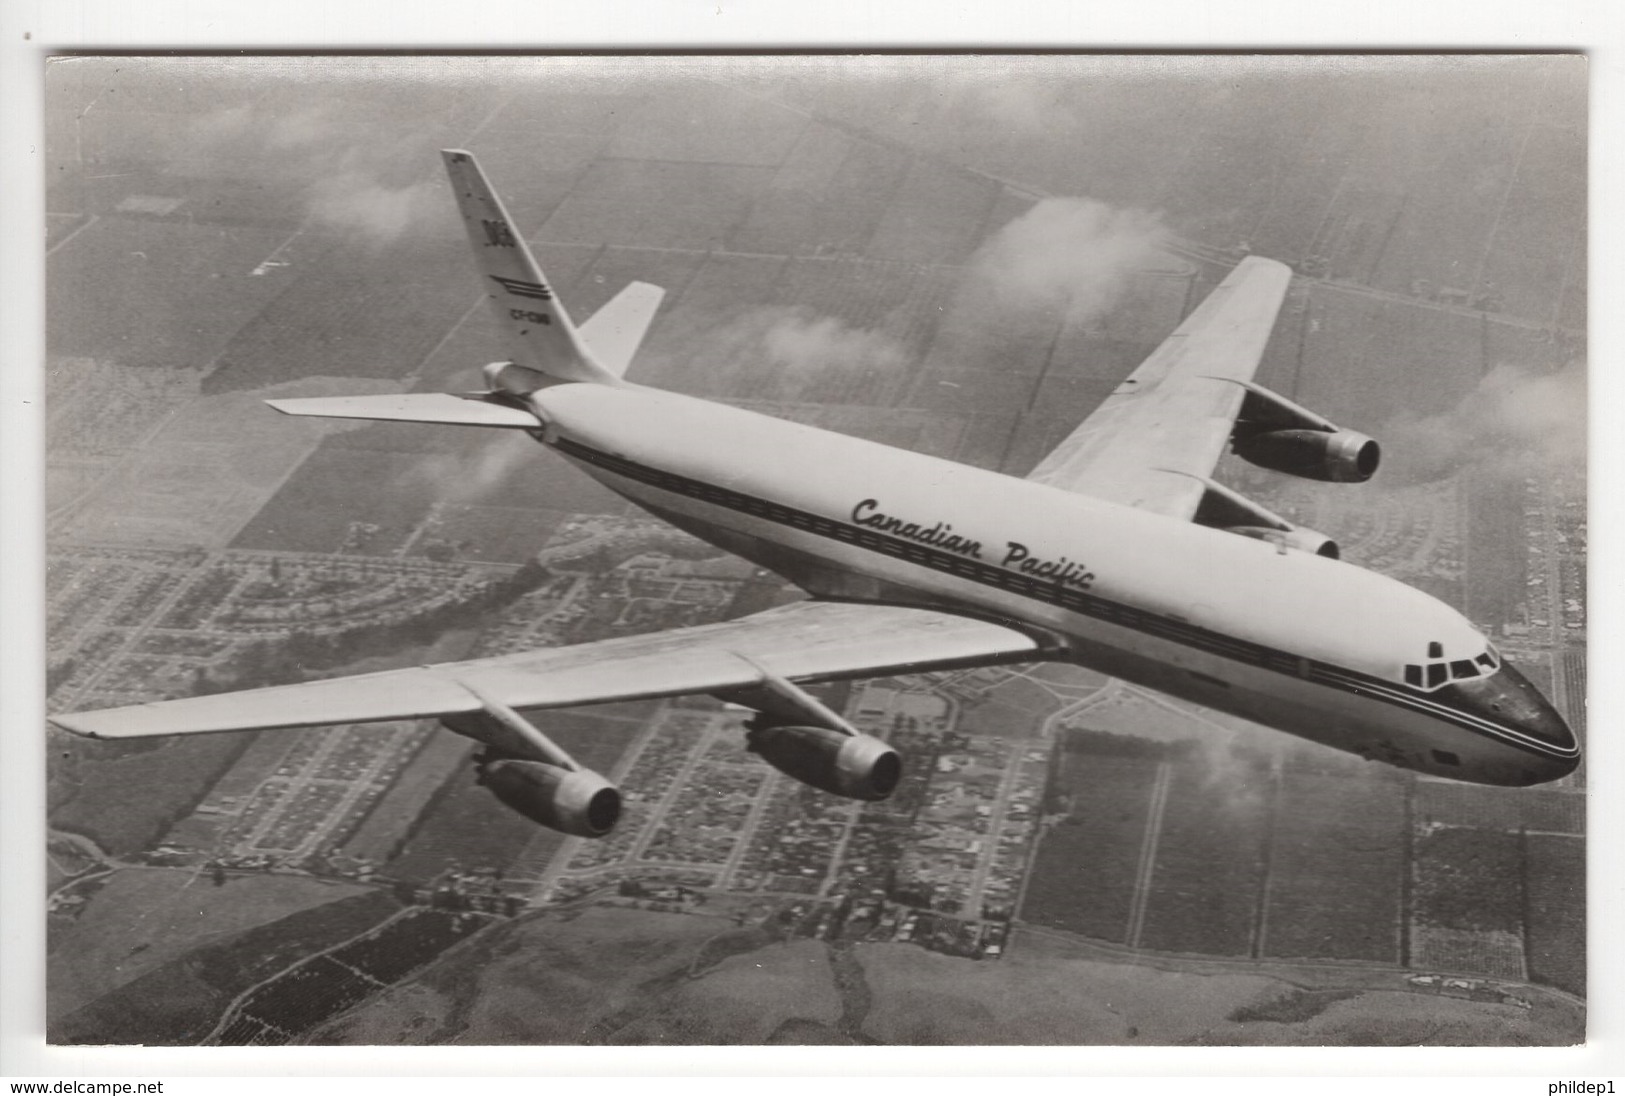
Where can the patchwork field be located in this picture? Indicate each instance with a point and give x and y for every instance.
(1084, 875)
(1555, 883)
(158, 293)
(1206, 880)
(1338, 857)
(178, 1002)
(827, 258)
(125, 795)
(616, 976)
(103, 948)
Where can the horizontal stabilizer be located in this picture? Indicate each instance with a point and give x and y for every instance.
(615, 331)
(414, 407)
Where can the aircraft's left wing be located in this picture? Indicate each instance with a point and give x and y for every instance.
(1153, 442)
(802, 642)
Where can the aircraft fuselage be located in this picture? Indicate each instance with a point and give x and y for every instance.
(1310, 646)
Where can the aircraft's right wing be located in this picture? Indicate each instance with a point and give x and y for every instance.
(805, 641)
(1153, 442)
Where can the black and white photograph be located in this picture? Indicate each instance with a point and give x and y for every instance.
(1006, 549)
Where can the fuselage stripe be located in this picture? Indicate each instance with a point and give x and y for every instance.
(1113, 612)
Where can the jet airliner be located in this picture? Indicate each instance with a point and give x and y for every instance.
(1119, 552)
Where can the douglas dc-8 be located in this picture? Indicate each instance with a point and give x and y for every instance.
(1119, 552)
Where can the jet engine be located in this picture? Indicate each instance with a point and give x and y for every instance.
(1297, 537)
(578, 802)
(856, 766)
(1336, 456)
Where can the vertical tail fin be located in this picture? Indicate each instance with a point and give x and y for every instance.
(535, 326)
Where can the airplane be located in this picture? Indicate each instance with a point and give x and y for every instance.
(1119, 552)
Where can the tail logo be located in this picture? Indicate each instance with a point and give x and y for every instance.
(498, 234)
(534, 290)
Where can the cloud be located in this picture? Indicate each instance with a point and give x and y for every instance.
(354, 201)
(1516, 423)
(799, 340)
(345, 176)
(807, 351)
(471, 479)
(1030, 107)
(1075, 254)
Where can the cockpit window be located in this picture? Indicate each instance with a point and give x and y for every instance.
(1432, 674)
(1435, 649)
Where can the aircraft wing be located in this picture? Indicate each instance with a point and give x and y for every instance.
(804, 642)
(1170, 420)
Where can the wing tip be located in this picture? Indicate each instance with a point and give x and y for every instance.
(79, 729)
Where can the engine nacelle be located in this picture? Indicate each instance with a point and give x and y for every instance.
(578, 802)
(1297, 538)
(852, 765)
(1341, 456)
(512, 378)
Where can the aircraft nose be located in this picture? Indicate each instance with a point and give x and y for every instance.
(1509, 698)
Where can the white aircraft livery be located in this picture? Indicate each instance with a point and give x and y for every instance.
(1119, 552)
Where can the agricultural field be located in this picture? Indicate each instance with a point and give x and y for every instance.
(935, 216)
(1496, 552)
(308, 994)
(335, 491)
(1399, 171)
(178, 1002)
(674, 122)
(1447, 803)
(407, 943)
(194, 295)
(125, 795)
(98, 410)
(1555, 936)
(335, 308)
(828, 199)
(1337, 862)
(201, 476)
(1361, 357)
(692, 206)
(711, 347)
(606, 976)
(1470, 880)
(1205, 882)
(102, 947)
(1574, 704)
(1087, 868)
(612, 269)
